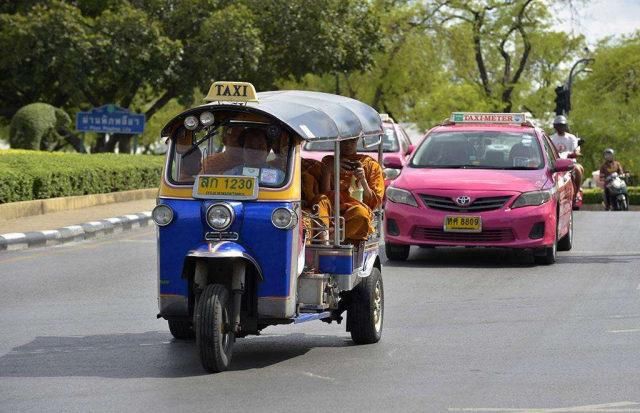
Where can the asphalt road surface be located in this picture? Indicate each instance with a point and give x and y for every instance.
(464, 330)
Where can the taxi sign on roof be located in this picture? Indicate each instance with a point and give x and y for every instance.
(231, 92)
(479, 117)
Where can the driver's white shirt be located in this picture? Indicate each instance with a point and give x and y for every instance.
(565, 143)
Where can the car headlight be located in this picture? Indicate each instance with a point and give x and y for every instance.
(206, 118)
(220, 216)
(400, 196)
(162, 215)
(284, 218)
(191, 122)
(534, 198)
(391, 173)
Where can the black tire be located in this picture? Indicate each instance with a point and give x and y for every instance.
(182, 330)
(365, 315)
(566, 242)
(549, 254)
(212, 318)
(622, 203)
(396, 252)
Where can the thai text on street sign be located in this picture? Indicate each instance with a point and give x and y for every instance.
(110, 119)
(462, 117)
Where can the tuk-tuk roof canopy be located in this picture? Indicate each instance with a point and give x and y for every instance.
(314, 116)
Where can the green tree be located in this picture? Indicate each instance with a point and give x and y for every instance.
(141, 54)
(606, 103)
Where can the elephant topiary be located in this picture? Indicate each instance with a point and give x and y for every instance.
(41, 126)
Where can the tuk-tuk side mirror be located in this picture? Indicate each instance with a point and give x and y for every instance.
(563, 165)
(581, 142)
(392, 161)
(412, 148)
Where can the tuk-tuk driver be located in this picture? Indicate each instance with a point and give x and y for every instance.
(368, 175)
(231, 156)
(255, 150)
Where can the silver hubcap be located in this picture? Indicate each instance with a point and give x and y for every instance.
(377, 306)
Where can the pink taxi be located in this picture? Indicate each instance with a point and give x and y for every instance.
(483, 180)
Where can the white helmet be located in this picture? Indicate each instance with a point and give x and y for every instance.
(560, 120)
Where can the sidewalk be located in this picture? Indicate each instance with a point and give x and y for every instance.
(75, 224)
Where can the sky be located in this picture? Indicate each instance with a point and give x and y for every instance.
(601, 18)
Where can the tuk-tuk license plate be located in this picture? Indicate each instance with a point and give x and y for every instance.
(459, 223)
(225, 187)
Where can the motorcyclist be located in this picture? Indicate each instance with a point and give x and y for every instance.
(566, 142)
(609, 166)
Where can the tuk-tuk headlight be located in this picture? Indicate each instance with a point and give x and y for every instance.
(284, 218)
(162, 215)
(220, 216)
(206, 118)
(191, 122)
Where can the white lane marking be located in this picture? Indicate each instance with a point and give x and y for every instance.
(316, 376)
(631, 330)
(606, 407)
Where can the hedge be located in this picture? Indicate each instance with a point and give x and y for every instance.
(594, 195)
(27, 175)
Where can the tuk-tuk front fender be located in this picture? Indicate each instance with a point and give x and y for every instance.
(225, 249)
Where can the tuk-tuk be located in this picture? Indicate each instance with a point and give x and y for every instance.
(236, 250)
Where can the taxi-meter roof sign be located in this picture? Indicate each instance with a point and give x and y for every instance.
(231, 92)
(479, 117)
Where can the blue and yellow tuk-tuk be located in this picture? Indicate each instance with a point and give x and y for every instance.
(237, 250)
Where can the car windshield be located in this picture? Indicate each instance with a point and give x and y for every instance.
(234, 149)
(479, 149)
(389, 143)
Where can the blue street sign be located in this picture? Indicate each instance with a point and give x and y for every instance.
(110, 119)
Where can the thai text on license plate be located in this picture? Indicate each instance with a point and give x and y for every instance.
(225, 187)
(461, 223)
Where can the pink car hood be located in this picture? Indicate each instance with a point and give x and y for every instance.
(471, 179)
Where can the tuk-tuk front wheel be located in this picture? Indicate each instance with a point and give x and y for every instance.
(181, 329)
(365, 314)
(213, 335)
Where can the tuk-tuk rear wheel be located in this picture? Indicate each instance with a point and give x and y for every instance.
(365, 315)
(181, 329)
(213, 336)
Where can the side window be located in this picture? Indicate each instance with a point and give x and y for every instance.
(403, 139)
(550, 150)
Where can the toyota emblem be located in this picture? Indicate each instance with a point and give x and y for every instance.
(463, 200)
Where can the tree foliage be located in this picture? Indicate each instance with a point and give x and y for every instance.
(606, 103)
(141, 54)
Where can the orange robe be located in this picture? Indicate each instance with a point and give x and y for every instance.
(218, 163)
(313, 201)
(358, 215)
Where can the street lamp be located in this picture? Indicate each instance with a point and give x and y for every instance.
(569, 83)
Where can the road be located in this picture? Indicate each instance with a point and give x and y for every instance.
(465, 330)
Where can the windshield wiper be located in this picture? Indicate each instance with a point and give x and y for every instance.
(196, 144)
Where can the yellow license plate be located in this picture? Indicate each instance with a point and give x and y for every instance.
(225, 187)
(461, 223)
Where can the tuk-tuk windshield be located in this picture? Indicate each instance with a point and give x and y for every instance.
(232, 148)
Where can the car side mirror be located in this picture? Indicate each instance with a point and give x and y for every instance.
(563, 165)
(392, 161)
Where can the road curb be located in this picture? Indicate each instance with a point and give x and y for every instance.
(88, 230)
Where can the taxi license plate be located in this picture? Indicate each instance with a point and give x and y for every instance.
(458, 223)
(225, 187)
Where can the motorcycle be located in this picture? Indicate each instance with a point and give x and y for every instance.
(616, 190)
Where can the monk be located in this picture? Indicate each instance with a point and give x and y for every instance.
(368, 174)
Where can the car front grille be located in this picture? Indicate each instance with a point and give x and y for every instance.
(444, 203)
(487, 235)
